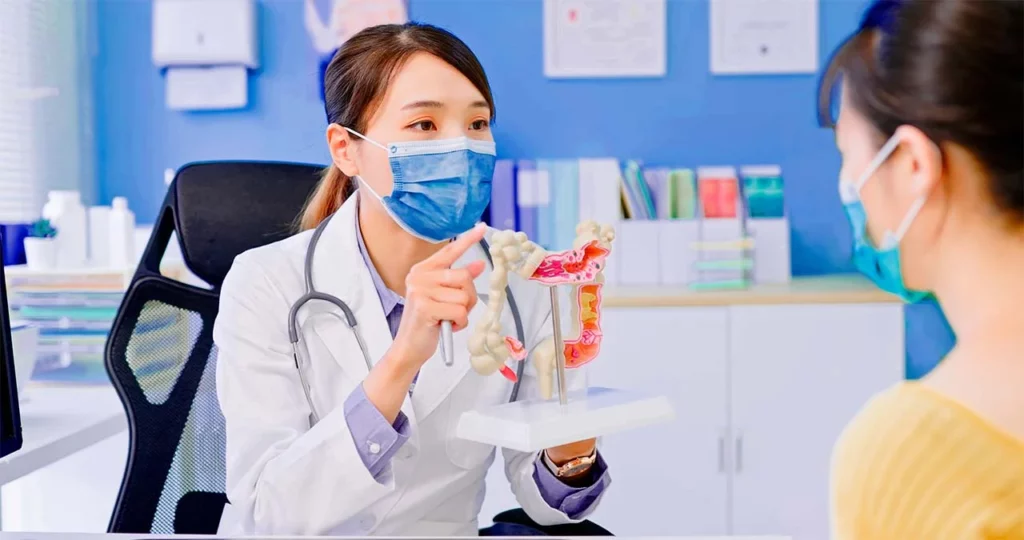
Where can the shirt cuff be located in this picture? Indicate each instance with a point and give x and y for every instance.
(572, 501)
(376, 440)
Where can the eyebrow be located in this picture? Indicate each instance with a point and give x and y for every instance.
(431, 104)
(425, 104)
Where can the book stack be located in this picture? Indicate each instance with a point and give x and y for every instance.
(74, 311)
(724, 249)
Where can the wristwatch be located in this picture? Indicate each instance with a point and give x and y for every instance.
(573, 467)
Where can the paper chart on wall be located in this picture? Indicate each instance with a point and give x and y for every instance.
(604, 38)
(764, 36)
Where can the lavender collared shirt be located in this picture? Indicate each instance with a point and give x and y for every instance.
(377, 440)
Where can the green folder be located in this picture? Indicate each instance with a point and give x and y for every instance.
(682, 193)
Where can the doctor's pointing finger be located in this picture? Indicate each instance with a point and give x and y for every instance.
(340, 411)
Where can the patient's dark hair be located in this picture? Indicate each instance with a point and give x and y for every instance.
(952, 68)
(357, 79)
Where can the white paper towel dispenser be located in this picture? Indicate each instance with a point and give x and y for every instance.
(207, 48)
(205, 33)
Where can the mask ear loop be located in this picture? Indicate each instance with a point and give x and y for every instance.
(378, 145)
(909, 219)
(883, 154)
(893, 238)
(367, 139)
(914, 208)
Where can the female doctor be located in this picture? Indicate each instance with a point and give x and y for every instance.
(362, 442)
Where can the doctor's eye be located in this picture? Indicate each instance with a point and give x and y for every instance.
(479, 125)
(423, 125)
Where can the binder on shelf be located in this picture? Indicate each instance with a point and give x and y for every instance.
(565, 185)
(503, 195)
(657, 182)
(599, 190)
(763, 191)
(682, 194)
(719, 192)
(526, 195)
(545, 205)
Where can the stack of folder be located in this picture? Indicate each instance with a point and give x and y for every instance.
(546, 199)
(74, 312)
(673, 226)
(725, 251)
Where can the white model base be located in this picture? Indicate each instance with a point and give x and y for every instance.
(536, 425)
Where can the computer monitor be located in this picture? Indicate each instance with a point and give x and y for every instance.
(10, 414)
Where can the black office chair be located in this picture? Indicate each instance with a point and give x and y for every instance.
(160, 354)
(161, 357)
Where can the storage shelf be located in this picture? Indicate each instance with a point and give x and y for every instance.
(832, 289)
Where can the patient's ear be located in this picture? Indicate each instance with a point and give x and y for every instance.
(340, 142)
(925, 163)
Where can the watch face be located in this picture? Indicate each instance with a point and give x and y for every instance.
(575, 467)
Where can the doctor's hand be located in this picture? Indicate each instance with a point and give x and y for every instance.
(434, 292)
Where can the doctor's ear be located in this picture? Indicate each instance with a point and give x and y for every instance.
(925, 159)
(342, 147)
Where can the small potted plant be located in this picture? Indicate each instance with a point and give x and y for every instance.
(41, 246)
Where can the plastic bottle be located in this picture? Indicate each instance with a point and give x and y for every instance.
(65, 211)
(99, 236)
(122, 235)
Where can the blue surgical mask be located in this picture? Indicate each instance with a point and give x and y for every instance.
(881, 264)
(441, 188)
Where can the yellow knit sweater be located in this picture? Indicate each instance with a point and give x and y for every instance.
(917, 465)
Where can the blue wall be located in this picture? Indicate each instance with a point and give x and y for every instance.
(688, 118)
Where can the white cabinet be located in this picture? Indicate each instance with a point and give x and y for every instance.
(761, 393)
(679, 353)
(799, 373)
(668, 479)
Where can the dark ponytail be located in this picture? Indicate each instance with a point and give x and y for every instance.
(333, 189)
(952, 68)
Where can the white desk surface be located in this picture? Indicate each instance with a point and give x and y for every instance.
(57, 421)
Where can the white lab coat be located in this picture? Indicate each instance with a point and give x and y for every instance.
(286, 478)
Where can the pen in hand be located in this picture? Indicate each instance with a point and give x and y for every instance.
(447, 345)
(461, 245)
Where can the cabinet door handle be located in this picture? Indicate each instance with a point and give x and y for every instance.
(739, 452)
(721, 452)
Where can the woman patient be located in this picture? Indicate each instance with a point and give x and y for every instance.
(931, 131)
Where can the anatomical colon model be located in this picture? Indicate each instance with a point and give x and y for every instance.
(581, 268)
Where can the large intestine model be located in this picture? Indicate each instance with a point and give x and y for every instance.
(581, 268)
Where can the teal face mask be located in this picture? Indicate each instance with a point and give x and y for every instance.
(880, 264)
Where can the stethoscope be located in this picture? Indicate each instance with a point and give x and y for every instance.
(294, 335)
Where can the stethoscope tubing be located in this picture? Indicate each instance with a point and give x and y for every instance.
(311, 294)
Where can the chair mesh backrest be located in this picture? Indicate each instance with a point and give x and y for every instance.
(161, 356)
